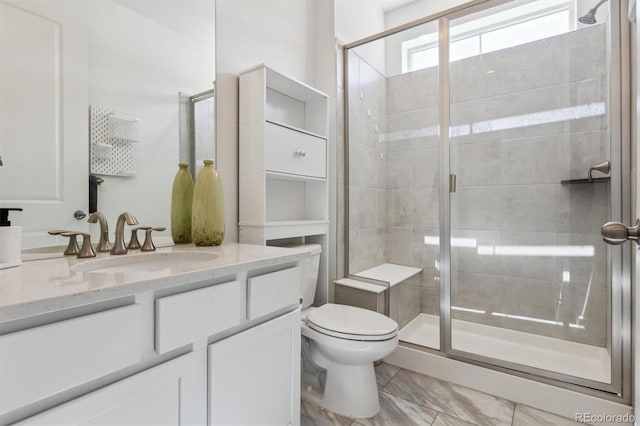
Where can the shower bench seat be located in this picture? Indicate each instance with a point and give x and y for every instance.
(396, 293)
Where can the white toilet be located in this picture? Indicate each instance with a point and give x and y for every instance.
(345, 341)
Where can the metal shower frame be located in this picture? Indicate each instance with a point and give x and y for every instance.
(620, 257)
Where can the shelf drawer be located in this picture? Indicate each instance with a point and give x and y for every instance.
(187, 317)
(270, 292)
(294, 152)
(42, 361)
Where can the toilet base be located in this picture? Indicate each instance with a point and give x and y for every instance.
(351, 390)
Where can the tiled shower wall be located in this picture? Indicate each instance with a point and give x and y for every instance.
(523, 119)
(538, 116)
(367, 171)
(413, 167)
(369, 178)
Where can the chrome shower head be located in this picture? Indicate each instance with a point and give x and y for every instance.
(590, 17)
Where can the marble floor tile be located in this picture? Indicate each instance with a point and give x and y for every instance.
(466, 404)
(384, 373)
(312, 415)
(446, 420)
(528, 416)
(398, 411)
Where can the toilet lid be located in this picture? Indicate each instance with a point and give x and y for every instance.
(349, 322)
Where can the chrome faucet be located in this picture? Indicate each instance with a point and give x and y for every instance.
(119, 246)
(103, 244)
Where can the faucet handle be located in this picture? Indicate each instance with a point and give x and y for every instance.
(134, 243)
(148, 242)
(86, 250)
(72, 248)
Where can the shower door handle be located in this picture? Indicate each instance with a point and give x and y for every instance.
(616, 233)
(452, 183)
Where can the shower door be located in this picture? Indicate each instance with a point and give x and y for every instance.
(535, 165)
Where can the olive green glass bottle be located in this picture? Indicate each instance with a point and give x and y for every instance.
(207, 220)
(181, 204)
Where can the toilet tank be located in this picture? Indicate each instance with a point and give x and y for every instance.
(310, 267)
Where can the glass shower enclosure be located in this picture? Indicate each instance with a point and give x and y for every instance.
(484, 149)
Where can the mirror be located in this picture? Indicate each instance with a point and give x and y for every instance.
(198, 140)
(120, 89)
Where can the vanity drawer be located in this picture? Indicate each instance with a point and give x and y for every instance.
(187, 317)
(270, 292)
(290, 151)
(41, 361)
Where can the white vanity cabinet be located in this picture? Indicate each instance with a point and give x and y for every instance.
(41, 361)
(214, 346)
(254, 376)
(172, 393)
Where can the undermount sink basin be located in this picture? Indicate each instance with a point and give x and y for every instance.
(145, 262)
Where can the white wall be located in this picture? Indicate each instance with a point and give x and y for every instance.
(326, 80)
(358, 19)
(418, 9)
(280, 33)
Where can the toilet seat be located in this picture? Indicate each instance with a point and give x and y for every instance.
(351, 323)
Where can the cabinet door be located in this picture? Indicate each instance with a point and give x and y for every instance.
(173, 393)
(254, 376)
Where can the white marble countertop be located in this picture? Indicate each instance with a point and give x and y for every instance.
(47, 285)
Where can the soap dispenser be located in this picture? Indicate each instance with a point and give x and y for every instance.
(10, 240)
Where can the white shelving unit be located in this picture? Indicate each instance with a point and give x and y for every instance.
(283, 164)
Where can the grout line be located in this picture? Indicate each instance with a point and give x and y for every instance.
(417, 404)
(513, 415)
(390, 379)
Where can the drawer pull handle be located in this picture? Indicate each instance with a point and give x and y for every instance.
(301, 153)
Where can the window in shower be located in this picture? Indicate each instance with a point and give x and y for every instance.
(511, 27)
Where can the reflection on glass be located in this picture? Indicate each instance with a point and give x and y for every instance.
(527, 264)
(578, 112)
(529, 274)
(393, 176)
(552, 251)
